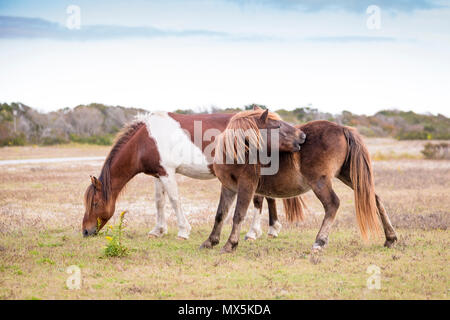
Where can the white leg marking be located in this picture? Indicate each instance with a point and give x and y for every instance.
(170, 186)
(255, 229)
(275, 229)
(160, 198)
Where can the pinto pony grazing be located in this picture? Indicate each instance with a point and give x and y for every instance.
(330, 150)
(158, 144)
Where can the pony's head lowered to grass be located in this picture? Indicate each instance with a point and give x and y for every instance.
(100, 196)
(98, 210)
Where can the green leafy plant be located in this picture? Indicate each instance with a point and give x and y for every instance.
(115, 247)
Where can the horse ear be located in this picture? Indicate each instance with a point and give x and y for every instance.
(96, 183)
(256, 107)
(264, 116)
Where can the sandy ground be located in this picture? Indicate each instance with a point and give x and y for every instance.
(30, 190)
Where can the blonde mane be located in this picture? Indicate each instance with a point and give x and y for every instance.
(241, 135)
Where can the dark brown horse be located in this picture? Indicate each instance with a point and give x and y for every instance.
(330, 150)
(161, 144)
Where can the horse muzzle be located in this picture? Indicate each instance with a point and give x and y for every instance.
(89, 232)
(298, 143)
(302, 137)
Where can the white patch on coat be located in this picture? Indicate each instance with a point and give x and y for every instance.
(275, 229)
(255, 229)
(175, 147)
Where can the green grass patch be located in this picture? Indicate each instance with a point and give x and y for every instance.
(281, 268)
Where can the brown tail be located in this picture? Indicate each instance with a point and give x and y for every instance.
(362, 179)
(293, 208)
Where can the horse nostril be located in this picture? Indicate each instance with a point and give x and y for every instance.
(85, 233)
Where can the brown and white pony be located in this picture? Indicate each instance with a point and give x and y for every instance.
(159, 144)
(330, 150)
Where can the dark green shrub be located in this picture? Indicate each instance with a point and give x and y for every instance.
(50, 141)
(104, 140)
(15, 140)
(413, 135)
(436, 151)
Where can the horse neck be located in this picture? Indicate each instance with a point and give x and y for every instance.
(123, 168)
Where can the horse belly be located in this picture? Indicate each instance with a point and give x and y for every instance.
(195, 171)
(287, 188)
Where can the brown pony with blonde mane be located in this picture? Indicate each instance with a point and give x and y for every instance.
(330, 150)
(241, 134)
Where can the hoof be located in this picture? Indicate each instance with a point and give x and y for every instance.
(157, 232)
(272, 236)
(317, 249)
(206, 245)
(274, 230)
(390, 242)
(155, 235)
(253, 235)
(184, 232)
(181, 238)
(228, 248)
(318, 246)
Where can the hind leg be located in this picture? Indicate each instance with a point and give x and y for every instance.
(170, 186)
(274, 225)
(226, 199)
(324, 191)
(391, 236)
(160, 198)
(389, 231)
(255, 229)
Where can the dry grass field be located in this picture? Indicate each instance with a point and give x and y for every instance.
(41, 209)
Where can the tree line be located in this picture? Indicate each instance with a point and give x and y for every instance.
(97, 123)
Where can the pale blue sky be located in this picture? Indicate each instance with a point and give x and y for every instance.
(196, 54)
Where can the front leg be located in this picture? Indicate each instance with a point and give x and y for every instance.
(169, 183)
(160, 198)
(246, 190)
(226, 199)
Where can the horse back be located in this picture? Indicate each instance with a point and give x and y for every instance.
(325, 149)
